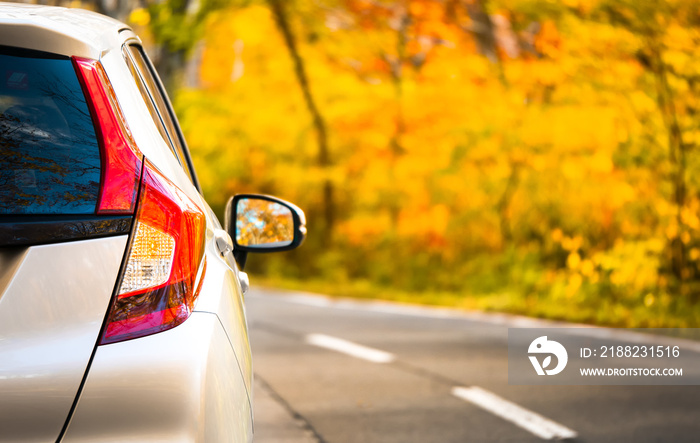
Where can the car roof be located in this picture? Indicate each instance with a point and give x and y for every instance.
(60, 30)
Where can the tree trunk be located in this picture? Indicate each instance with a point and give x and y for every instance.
(503, 205)
(323, 158)
(676, 154)
(483, 30)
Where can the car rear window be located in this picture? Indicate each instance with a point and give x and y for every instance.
(49, 154)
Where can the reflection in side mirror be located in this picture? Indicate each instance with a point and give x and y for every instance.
(263, 224)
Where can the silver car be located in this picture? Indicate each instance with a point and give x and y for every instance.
(121, 295)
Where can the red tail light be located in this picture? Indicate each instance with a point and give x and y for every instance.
(121, 158)
(165, 260)
(164, 265)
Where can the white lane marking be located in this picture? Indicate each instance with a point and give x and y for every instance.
(507, 320)
(528, 420)
(349, 348)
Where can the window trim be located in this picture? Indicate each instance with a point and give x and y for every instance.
(188, 166)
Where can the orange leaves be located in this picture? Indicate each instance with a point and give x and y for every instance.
(365, 229)
(427, 224)
(231, 41)
(583, 6)
(429, 21)
(556, 149)
(548, 41)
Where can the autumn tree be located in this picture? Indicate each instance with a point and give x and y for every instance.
(543, 150)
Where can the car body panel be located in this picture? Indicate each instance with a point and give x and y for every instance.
(57, 30)
(189, 383)
(168, 387)
(51, 311)
(221, 294)
(141, 125)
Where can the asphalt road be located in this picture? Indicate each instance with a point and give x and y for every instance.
(351, 371)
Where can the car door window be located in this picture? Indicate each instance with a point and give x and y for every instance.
(156, 102)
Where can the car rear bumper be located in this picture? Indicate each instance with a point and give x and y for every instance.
(181, 385)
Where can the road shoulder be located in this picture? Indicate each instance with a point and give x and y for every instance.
(274, 423)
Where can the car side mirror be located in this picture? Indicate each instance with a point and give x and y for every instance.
(262, 223)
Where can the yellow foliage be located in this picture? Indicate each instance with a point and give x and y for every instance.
(573, 261)
(601, 163)
(430, 222)
(587, 268)
(557, 235)
(620, 194)
(548, 40)
(574, 283)
(694, 254)
(365, 228)
(572, 244)
(672, 231)
(140, 17)
(558, 148)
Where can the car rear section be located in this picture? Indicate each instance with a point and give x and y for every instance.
(120, 320)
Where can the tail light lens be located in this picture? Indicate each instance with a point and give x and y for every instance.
(165, 262)
(165, 259)
(121, 158)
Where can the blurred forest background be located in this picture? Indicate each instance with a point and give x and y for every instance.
(530, 156)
